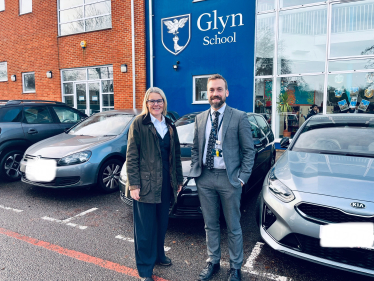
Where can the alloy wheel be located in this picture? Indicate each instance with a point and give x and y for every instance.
(11, 165)
(111, 176)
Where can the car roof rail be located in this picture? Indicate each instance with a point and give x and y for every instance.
(13, 102)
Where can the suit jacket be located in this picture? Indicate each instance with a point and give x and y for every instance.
(237, 145)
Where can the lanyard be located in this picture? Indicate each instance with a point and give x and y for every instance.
(219, 126)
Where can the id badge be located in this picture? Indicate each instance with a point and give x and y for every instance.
(217, 152)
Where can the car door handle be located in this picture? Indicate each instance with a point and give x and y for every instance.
(32, 131)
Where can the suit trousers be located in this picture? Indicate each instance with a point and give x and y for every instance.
(214, 186)
(150, 225)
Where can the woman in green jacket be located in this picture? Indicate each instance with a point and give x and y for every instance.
(154, 172)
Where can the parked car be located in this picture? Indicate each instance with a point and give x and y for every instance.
(174, 116)
(188, 204)
(90, 153)
(25, 122)
(324, 177)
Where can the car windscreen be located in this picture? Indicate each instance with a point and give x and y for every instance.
(341, 140)
(102, 125)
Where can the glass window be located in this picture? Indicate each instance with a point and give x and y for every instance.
(262, 124)
(356, 64)
(37, 115)
(289, 3)
(265, 41)
(108, 100)
(28, 82)
(265, 5)
(3, 71)
(81, 16)
(352, 29)
(11, 114)
(74, 75)
(25, 6)
(68, 88)
(2, 5)
(69, 100)
(351, 93)
(302, 40)
(299, 93)
(256, 132)
(263, 98)
(66, 115)
(107, 86)
(100, 73)
(200, 89)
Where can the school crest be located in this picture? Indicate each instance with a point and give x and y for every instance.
(176, 33)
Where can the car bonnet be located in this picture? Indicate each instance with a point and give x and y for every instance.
(331, 175)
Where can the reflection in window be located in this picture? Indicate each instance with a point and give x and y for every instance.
(74, 75)
(352, 29)
(3, 71)
(69, 100)
(354, 64)
(77, 16)
(28, 82)
(2, 5)
(100, 73)
(265, 5)
(37, 115)
(300, 93)
(351, 93)
(263, 98)
(265, 44)
(289, 3)
(302, 40)
(200, 89)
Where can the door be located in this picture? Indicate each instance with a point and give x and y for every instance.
(88, 97)
(81, 96)
(38, 123)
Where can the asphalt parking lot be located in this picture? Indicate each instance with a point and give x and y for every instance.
(50, 234)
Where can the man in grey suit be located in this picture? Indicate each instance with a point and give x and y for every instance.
(221, 162)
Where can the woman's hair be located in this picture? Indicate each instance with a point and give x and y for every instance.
(146, 96)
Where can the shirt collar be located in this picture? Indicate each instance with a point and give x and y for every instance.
(155, 120)
(221, 110)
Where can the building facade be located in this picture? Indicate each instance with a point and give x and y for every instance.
(43, 54)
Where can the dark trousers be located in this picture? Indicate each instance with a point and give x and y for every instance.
(150, 225)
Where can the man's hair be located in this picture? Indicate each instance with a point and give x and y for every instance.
(215, 77)
(313, 105)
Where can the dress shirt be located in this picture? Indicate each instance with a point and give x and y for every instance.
(219, 163)
(161, 127)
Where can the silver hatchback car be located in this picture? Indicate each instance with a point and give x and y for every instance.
(325, 177)
(92, 152)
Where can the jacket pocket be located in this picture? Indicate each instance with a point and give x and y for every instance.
(145, 182)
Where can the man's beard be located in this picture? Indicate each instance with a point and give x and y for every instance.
(218, 105)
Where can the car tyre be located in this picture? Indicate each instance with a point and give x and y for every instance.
(109, 174)
(9, 165)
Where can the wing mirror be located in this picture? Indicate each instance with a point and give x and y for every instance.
(285, 142)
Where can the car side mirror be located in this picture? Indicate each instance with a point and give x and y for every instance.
(285, 142)
(257, 143)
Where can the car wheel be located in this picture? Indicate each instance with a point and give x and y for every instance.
(9, 165)
(108, 178)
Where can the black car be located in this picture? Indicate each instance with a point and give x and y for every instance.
(25, 122)
(188, 204)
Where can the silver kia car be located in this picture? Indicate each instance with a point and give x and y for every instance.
(90, 153)
(326, 176)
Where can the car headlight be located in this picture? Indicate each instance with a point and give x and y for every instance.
(76, 158)
(189, 182)
(278, 189)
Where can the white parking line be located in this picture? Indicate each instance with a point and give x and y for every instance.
(249, 268)
(132, 240)
(11, 209)
(67, 221)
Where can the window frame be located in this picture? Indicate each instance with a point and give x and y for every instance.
(194, 77)
(20, 8)
(23, 83)
(84, 18)
(6, 66)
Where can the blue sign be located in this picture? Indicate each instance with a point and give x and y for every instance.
(176, 33)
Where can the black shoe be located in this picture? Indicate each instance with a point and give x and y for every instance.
(147, 279)
(234, 274)
(209, 271)
(165, 261)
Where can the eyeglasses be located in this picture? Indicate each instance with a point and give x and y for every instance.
(153, 102)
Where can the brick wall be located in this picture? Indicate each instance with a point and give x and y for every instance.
(30, 42)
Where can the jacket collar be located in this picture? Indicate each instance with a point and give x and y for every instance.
(147, 120)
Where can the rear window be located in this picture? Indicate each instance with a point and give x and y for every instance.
(11, 114)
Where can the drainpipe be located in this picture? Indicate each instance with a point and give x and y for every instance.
(133, 55)
(150, 43)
